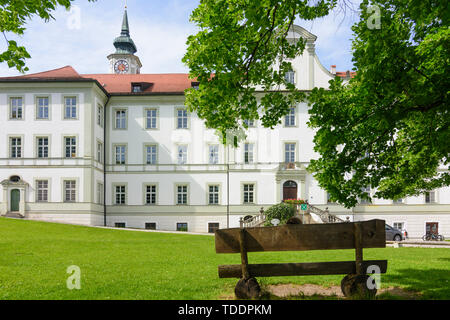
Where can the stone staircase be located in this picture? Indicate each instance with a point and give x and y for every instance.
(15, 215)
(255, 221)
(311, 216)
(324, 215)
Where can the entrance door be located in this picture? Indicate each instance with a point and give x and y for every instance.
(15, 200)
(432, 227)
(289, 190)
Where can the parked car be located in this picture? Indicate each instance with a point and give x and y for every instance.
(393, 234)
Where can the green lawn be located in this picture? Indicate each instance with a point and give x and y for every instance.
(120, 264)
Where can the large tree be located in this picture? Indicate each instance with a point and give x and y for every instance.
(14, 15)
(238, 43)
(387, 128)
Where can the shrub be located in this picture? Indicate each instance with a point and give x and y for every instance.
(281, 211)
(294, 201)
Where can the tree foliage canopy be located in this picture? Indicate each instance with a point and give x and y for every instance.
(238, 43)
(387, 129)
(13, 17)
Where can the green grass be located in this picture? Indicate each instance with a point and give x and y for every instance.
(120, 264)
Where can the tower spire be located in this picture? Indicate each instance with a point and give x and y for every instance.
(124, 43)
(125, 25)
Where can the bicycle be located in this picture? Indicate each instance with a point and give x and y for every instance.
(433, 237)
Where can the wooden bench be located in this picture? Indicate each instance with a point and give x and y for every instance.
(354, 235)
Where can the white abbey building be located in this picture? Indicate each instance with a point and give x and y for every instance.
(120, 149)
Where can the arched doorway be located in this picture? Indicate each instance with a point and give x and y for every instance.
(289, 190)
(15, 200)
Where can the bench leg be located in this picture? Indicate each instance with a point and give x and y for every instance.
(355, 286)
(247, 289)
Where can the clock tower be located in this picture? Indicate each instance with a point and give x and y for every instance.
(123, 61)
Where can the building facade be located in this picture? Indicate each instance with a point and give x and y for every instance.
(120, 149)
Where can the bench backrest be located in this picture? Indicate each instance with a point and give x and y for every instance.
(302, 237)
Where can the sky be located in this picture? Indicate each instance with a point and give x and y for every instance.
(83, 37)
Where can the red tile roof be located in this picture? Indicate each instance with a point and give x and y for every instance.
(61, 73)
(151, 83)
(345, 74)
(117, 83)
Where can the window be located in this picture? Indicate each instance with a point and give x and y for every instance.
(248, 153)
(430, 197)
(365, 201)
(249, 193)
(182, 226)
(150, 225)
(121, 119)
(14, 179)
(212, 227)
(100, 115)
(42, 108)
(151, 117)
(289, 120)
(150, 194)
(70, 108)
(16, 147)
(120, 225)
(182, 119)
(151, 154)
(100, 193)
(70, 190)
(120, 154)
(137, 88)
(398, 201)
(213, 195)
(16, 109)
(329, 198)
(289, 77)
(249, 123)
(182, 194)
(70, 145)
(182, 154)
(398, 225)
(42, 147)
(42, 191)
(100, 152)
(213, 154)
(289, 152)
(120, 195)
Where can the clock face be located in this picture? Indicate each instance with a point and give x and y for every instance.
(121, 66)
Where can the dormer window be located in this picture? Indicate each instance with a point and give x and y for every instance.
(137, 88)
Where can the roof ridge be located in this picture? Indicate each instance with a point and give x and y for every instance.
(71, 73)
